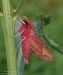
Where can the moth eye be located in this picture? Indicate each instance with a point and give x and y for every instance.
(26, 22)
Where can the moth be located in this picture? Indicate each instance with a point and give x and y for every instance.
(30, 41)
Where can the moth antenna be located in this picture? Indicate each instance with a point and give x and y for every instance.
(22, 22)
(19, 19)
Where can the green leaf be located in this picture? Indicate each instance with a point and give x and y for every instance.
(40, 23)
(18, 8)
(20, 5)
(46, 19)
(53, 44)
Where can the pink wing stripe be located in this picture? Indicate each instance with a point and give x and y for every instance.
(40, 48)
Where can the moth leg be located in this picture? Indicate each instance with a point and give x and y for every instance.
(17, 49)
(18, 46)
(17, 34)
(20, 43)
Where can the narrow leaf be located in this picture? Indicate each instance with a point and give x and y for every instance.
(53, 44)
(39, 24)
(20, 5)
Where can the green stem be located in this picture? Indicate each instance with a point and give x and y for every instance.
(18, 8)
(1, 14)
(20, 5)
(8, 29)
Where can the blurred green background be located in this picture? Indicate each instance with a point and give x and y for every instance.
(31, 9)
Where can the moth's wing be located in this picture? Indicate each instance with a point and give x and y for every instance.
(26, 49)
(39, 27)
(40, 48)
(40, 22)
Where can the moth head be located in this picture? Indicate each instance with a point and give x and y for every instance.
(25, 20)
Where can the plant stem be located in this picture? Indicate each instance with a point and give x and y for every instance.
(20, 5)
(18, 8)
(8, 29)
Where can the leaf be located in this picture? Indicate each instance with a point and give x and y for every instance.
(53, 44)
(40, 24)
(46, 19)
(18, 8)
(20, 5)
